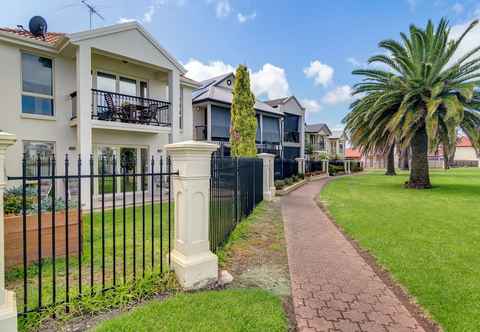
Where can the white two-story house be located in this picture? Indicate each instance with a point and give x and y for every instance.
(280, 122)
(320, 140)
(112, 91)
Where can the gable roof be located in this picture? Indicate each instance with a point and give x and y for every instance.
(51, 38)
(116, 28)
(336, 134)
(317, 127)
(210, 90)
(282, 101)
(353, 153)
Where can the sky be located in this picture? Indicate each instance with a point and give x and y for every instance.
(306, 48)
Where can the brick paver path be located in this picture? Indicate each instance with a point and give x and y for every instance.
(333, 288)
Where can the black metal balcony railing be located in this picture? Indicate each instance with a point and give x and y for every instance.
(291, 136)
(201, 133)
(111, 106)
(318, 147)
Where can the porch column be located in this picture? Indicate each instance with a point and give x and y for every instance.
(8, 307)
(268, 176)
(302, 136)
(174, 99)
(301, 165)
(194, 264)
(84, 115)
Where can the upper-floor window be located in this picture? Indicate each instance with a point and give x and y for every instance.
(291, 128)
(271, 129)
(220, 123)
(37, 85)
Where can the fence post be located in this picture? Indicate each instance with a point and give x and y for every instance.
(8, 307)
(301, 165)
(194, 264)
(268, 175)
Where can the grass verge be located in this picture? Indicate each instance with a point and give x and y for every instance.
(427, 239)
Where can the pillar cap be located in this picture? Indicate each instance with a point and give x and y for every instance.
(191, 146)
(7, 139)
(265, 155)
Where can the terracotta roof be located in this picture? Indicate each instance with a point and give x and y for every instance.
(463, 142)
(353, 153)
(51, 38)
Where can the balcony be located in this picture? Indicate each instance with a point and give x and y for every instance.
(125, 109)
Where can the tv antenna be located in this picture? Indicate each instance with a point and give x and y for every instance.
(92, 11)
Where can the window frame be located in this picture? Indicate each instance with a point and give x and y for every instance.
(34, 94)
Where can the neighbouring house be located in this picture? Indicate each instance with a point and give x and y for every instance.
(316, 138)
(353, 154)
(322, 140)
(280, 122)
(112, 91)
(465, 153)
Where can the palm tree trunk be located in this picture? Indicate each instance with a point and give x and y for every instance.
(419, 173)
(391, 161)
(446, 161)
(404, 157)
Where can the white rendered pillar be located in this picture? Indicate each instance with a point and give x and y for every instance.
(268, 175)
(8, 307)
(301, 165)
(84, 116)
(194, 264)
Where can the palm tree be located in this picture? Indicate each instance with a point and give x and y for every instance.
(420, 99)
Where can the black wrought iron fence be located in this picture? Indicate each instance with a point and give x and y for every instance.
(285, 168)
(236, 187)
(314, 166)
(57, 250)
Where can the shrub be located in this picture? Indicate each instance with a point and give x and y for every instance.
(288, 181)
(334, 169)
(279, 184)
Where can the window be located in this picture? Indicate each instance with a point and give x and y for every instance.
(180, 111)
(291, 125)
(106, 82)
(271, 130)
(37, 85)
(257, 135)
(220, 123)
(34, 150)
(120, 84)
(127, 86)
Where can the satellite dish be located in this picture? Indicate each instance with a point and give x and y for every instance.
(37, 26)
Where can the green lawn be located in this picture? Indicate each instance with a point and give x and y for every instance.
(429, 240)
(14, 277)
(212, 311)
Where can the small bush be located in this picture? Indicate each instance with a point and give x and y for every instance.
(288, 181)
(335, 169)
(279, 184)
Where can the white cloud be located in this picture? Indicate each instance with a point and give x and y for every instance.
(354, 62)
(125, 20)
(469, 42)
(222, 7)
(200, 71)
(311, 105)
(244, 18)
(339, 95)
(148, 15)
(458, 8)
(270, 81)
(321, 73)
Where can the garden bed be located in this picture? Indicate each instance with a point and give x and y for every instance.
(14, 236)
(285, 186)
